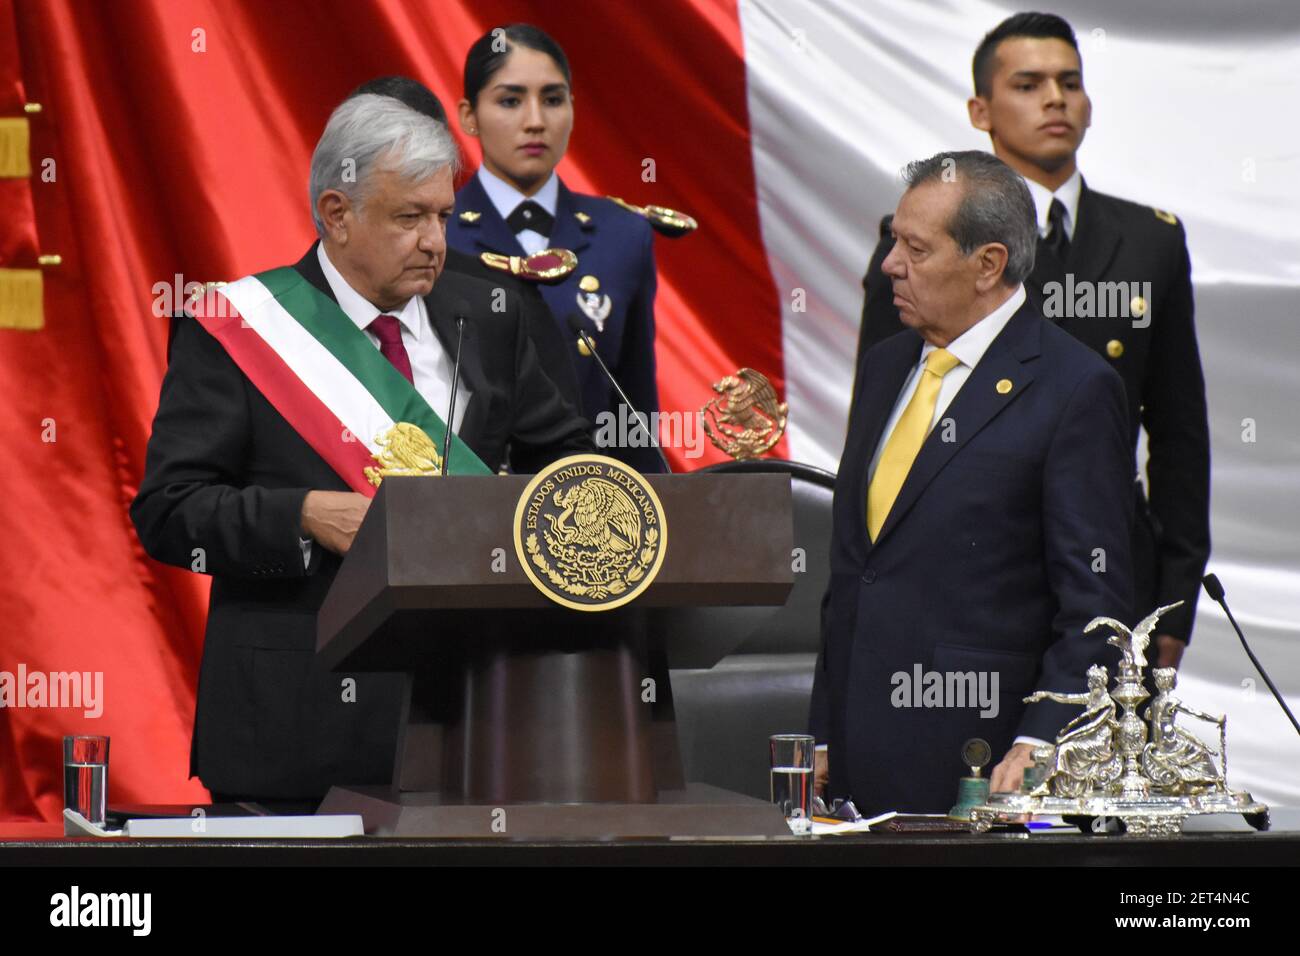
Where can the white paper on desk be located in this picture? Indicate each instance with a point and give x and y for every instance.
(74, 824)
(326, 826)
(851, 827)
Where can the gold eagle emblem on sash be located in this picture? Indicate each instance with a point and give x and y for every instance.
(404, 449)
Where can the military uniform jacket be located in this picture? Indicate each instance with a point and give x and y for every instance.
(1120, 247)
(614, 246)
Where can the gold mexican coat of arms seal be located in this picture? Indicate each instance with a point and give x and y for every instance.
(590, 533)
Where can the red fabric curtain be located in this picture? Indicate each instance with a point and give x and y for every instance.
(181, 132)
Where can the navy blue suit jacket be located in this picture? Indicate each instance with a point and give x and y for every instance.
(985, 563)
(615, 246)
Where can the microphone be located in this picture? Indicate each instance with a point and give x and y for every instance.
(575, 326)
(1215, 590)
(461, 311)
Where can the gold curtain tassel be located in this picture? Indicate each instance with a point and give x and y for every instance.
(21, 299)
(15, 137)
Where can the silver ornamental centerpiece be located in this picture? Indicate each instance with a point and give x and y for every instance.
(1109, 763)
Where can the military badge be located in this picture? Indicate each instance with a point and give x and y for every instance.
(590, 533)
(548, 265)
(593, 305)
(745, 420)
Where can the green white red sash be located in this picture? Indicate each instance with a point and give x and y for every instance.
(321, 372)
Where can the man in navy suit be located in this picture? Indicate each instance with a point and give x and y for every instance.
(982, 508)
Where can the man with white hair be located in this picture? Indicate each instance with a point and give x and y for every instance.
(280, 390)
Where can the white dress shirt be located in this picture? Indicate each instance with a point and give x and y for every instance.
(505, 198)
(1069, 194)
(431, 364)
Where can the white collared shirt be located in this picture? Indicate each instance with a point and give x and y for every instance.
(1069, 194)
(505, 198)
(968, 348)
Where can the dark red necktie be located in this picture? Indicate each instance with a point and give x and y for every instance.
(389, 332)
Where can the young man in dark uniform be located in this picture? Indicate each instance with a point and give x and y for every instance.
(1116, 275)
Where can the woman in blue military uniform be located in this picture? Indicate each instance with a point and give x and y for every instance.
(519, 105)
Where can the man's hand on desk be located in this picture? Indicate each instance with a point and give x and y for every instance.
(821, 772)
(331, 518)
(1169, 650)
(1010, 773)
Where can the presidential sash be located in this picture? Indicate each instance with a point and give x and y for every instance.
(322, 373)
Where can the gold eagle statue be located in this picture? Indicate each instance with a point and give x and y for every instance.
(745, 420)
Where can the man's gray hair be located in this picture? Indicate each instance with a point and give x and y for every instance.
(995, 206)
(368, 132)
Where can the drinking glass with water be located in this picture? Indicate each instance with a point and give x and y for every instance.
(85, 777)
(792, 774)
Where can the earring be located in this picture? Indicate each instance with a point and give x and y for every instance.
(473, 132)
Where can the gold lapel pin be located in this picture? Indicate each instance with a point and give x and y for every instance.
(1003, 386)
(470, 215)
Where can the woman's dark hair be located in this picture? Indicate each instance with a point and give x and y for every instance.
(487, 55)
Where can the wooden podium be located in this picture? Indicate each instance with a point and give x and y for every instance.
(525, 719)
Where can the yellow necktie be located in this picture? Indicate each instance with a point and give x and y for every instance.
(906, 440)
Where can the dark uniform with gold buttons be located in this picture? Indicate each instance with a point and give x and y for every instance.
(1152, 344)
(612, 292)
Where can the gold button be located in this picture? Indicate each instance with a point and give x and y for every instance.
(582, 348)
(1004, 386)
(589, 284)
(1114, 348)
(1137, 307)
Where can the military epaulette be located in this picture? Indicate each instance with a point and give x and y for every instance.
(1163, 216)
(665, 221)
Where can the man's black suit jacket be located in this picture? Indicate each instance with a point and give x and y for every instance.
(1120, 241)
(225, 478)
(1001, 545)
(552, 347)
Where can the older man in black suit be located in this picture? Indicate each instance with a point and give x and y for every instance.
(252, 477)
